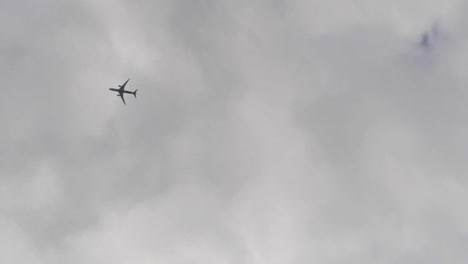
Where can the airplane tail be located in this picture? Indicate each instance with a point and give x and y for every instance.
(134, 93)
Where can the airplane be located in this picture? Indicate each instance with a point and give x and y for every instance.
(122, 91)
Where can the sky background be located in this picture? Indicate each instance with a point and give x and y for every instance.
(265, 131)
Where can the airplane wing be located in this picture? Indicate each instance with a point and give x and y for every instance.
(121, 96)
(123, 85)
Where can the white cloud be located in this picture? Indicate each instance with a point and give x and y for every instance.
(264, 132)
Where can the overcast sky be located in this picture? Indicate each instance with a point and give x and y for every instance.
(264, 132)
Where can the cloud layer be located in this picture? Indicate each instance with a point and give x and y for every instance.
(263, 132)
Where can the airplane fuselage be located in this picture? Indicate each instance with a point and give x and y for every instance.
(121, 91)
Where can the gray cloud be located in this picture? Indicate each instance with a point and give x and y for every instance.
(264, 132)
